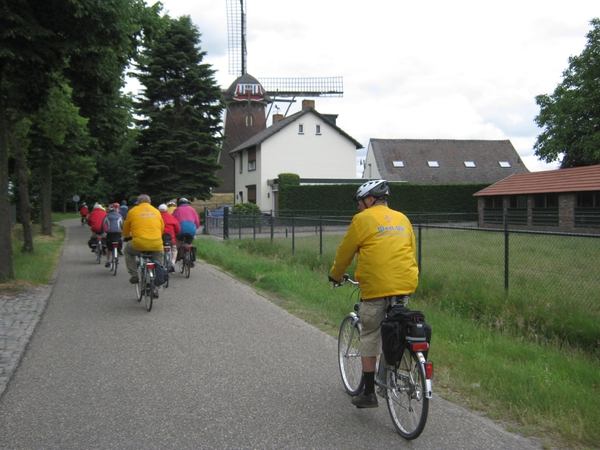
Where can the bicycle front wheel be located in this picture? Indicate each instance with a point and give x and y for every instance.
(406, 398)
(98, 253)
(349, 356)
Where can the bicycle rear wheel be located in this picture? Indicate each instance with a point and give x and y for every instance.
(98, 252)
(349, 356)
(139, 286)
(406, 398)
(115, 261)
(149, 291)
(186, 264)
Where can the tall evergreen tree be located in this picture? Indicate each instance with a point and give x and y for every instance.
(180, 128)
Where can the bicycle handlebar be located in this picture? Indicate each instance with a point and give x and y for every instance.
(345, 279)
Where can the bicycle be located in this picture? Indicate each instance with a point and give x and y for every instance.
(167, 262)
(406, 386)
(99, 249)
(185, 261)
(114, 257)
(145, 287)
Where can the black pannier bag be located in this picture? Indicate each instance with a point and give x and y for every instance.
(400, 323)
(160, 274)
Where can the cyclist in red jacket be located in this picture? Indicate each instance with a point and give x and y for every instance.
(95, 218)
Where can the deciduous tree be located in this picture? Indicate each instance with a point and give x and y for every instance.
(570, 117)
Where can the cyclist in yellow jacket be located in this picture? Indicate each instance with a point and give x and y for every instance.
(144, 224)
(386, 266)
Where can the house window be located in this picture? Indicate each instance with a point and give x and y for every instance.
(300, 128)
(433, 163)
(504, 164)
(252, 159)
(241, 162)
(469, 163)
(318, 129)
(398, 163)
(545, 201)
(494, 202)
(249, 120)
(588, 200)
(518, 201)
(251, 193)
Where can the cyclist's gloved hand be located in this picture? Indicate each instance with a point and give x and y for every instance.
(127, 239)
(332, 280)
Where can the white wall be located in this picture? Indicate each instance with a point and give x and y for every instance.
(371, 170)
(328, 155)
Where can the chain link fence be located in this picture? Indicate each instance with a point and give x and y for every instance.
(551, 270)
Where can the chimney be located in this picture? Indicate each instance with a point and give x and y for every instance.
(277, 117)
(308, 104)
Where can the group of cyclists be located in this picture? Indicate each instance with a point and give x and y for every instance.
(145, 228)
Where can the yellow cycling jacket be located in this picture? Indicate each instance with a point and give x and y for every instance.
(385, 243)
(144, 222)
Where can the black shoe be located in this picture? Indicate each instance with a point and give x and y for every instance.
(191, 264)
(107, 264)
(134, 279)
(171, 268)
(155, 293)
(365, 401)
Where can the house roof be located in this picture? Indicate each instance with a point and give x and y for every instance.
(576, 179)
(459, 161)
(282, 123)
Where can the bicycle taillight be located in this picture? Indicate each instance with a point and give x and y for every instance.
(166, 249)
(150, 265)
(429, 370)
(419, 346)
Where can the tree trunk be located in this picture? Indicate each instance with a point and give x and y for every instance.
(6, 255)
(21, 164)
(46, 172)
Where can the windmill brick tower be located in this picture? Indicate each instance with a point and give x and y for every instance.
(247, 98)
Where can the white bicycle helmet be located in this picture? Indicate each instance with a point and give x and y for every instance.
(162, 207)
(183, 201)
(374, 188)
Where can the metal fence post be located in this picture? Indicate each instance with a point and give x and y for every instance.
(293, 235)
(419, 248)
(226, 223)
(320, 236)
(506, 254)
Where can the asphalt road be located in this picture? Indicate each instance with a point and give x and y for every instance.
(213, 365)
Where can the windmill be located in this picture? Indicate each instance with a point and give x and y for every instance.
(247, 97)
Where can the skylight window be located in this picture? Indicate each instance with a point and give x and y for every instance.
(469, 163)
(433, 164)
(398, 163)
(504, 163)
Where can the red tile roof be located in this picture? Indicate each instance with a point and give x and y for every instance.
(576, 179)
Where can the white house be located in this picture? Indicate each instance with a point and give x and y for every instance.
(307, 143)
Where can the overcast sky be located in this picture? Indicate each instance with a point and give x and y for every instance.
(412, 70)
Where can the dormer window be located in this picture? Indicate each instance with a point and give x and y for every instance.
(469, 163)
(504, 164)
(433, 164)
(398, 163)
(300, 128)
